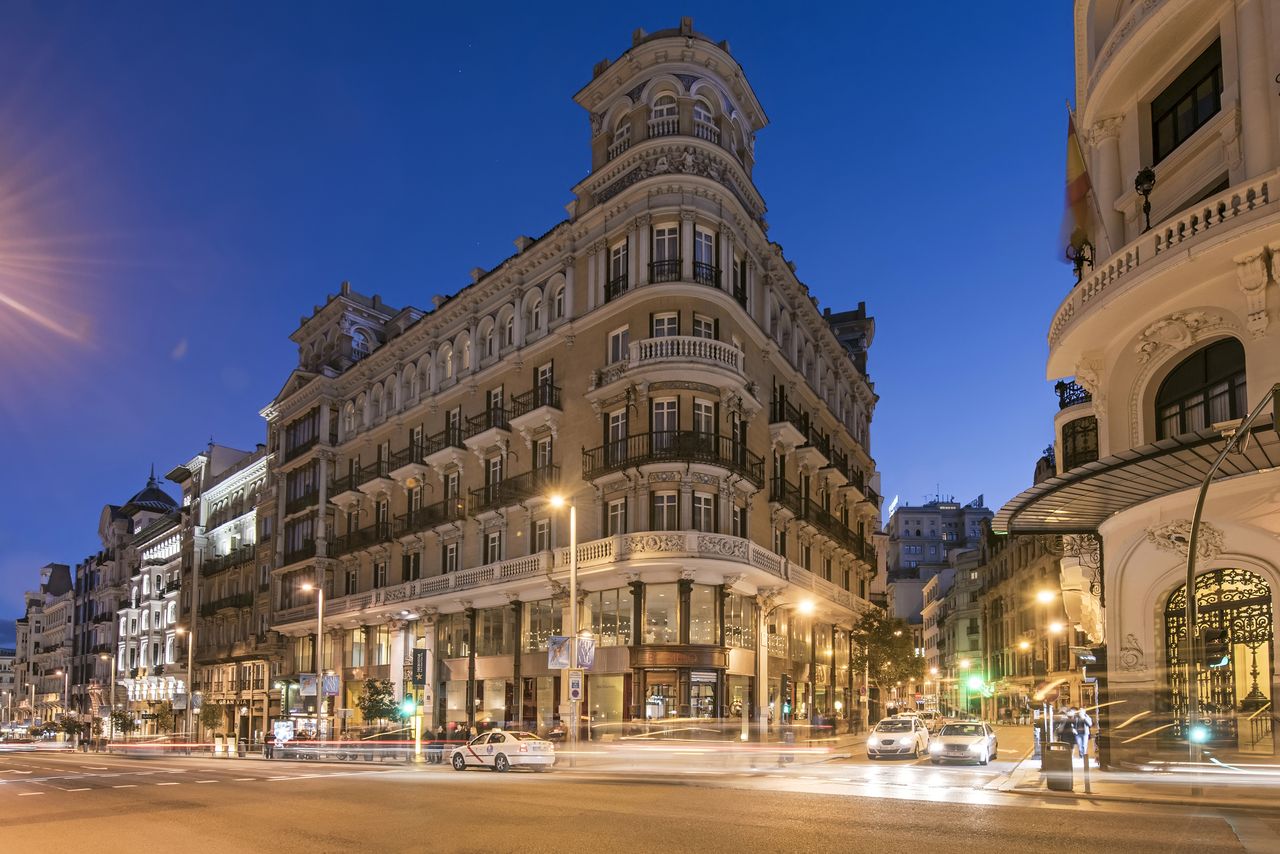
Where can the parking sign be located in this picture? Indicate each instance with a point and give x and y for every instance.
(575, 685)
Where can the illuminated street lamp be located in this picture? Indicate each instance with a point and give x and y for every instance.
(1044, 597)
(307, 586)
(559, 502)
(111, 668)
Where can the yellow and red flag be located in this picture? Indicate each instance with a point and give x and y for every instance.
(1076, 221)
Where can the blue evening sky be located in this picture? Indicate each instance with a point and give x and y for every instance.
(179, 183)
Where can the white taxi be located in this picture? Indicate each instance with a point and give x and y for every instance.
(503, 750)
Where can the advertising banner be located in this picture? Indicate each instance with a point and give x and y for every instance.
(331, 684)
(307, 684)
(558, 652)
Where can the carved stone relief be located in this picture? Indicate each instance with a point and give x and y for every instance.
(1175, 537)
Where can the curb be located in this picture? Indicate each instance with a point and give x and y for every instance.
(1156, 801)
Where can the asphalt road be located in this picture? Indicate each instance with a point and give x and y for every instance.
(62, 801)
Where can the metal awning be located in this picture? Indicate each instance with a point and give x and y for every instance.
(1082, 499)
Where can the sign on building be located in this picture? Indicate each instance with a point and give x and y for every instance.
(419, 675)
(307, 684)
(558, 652)
(586, 653)
(575, 685)
(332, 682)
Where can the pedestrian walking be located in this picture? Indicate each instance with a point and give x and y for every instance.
(269, 745)
(1065, 731)
(1083, 726)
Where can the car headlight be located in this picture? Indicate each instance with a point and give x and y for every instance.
(873, 741)
(935, 748)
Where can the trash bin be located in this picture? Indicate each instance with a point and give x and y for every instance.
(1056, 766)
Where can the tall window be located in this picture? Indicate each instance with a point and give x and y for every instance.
(661, 613)
(1079, 444)
(619, 341)
(449, 557)
(1187, 103)
(704, 417)
(664, 422)
(666, 243)
(616, 521)
(665, 516)
(353, 582)
(380, 573)
(664, 107)
(704, 616)
(705, 270)
(1206, 388)
(611, 612)
(493, 547)
(704, 512)
(617, 270)
(541, 535)
(542, 453)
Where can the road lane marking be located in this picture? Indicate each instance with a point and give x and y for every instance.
(206, 781)
(76, 790)
(245, 779)
(168, 784)
(95, 767)
(125, 786)
(28, 794)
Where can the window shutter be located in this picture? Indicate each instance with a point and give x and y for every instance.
(678, 325)
(715, 328)
(651, 326)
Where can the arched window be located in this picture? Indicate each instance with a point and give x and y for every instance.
(466, 355)
(489, 344)
(349, 419)
(446, 363)
(1079, 442)
(557, 304)
(509, 332)
(1207, 387)
(664, 107)
(535, 315)
(359, 345)
(702, 112)
(621, 135)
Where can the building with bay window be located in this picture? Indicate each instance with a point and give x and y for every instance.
(1166, 342)
(654, 360)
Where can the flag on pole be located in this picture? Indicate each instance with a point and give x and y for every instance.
(1076, 219)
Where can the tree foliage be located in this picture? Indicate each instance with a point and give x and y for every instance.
(123, 723)
(164, 717)
(378, 701)
(211, 717)
(882, 644)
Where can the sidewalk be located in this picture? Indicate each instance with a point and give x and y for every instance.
(1256, 788)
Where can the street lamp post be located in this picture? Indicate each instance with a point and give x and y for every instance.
(559, 501)
(110, 729)
(191, 651)
(320, 698)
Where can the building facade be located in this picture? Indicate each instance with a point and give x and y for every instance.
(654, 360)
(236, 655)
(8, 689)
(1165, 342)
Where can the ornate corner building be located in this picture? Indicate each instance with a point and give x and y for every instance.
(1167, 341)
(654, 360)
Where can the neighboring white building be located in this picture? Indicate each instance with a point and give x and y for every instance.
(1171, 335)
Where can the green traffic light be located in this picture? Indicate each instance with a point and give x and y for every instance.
(1199, 734)
(408, 706)
(975, 683)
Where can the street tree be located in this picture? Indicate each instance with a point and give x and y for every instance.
(211, 717)
(123, 722)
(378, 701)
(882, 648)
(164, 717)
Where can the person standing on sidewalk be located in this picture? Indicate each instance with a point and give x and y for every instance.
(1083, 726)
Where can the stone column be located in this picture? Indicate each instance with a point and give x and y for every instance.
(320, 534)
(594, 283)
(686, 245)
(641, 248)
(633, 254)
(1256, 127)
(279, 530)
(515, 717)
(1105, 136)
(570, 280)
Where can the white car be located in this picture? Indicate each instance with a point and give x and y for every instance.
(502, 750)
(898, 736)
(970, 741)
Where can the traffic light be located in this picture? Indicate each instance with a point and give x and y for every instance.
(408, 706)
(784, 694)
(1217, 648)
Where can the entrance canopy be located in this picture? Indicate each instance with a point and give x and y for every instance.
(1082, 499)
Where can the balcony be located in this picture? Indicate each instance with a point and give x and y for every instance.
(706, 274)
(375, 478)
(664, 271)
(407, 464)
(236, 600)
(787, 496)
(345, 491)
(538, 407)
(304, 552)
(430, 516)
(1071, 394)
(301, 448)
(615, 287)
(221, 563)
(664, 126)
(707, 131)
(679, 446)
(513, 490)
(681, 357)
(788, 426)
(487, 429)
(379, 532)
(444, 447)
(302, 502)
(619, 145)
(1165, 245)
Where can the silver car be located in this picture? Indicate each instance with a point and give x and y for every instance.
(898, 736)
(969, 741)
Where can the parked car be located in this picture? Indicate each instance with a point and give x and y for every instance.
(971, 741)
(898, 736)
(501, 751)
